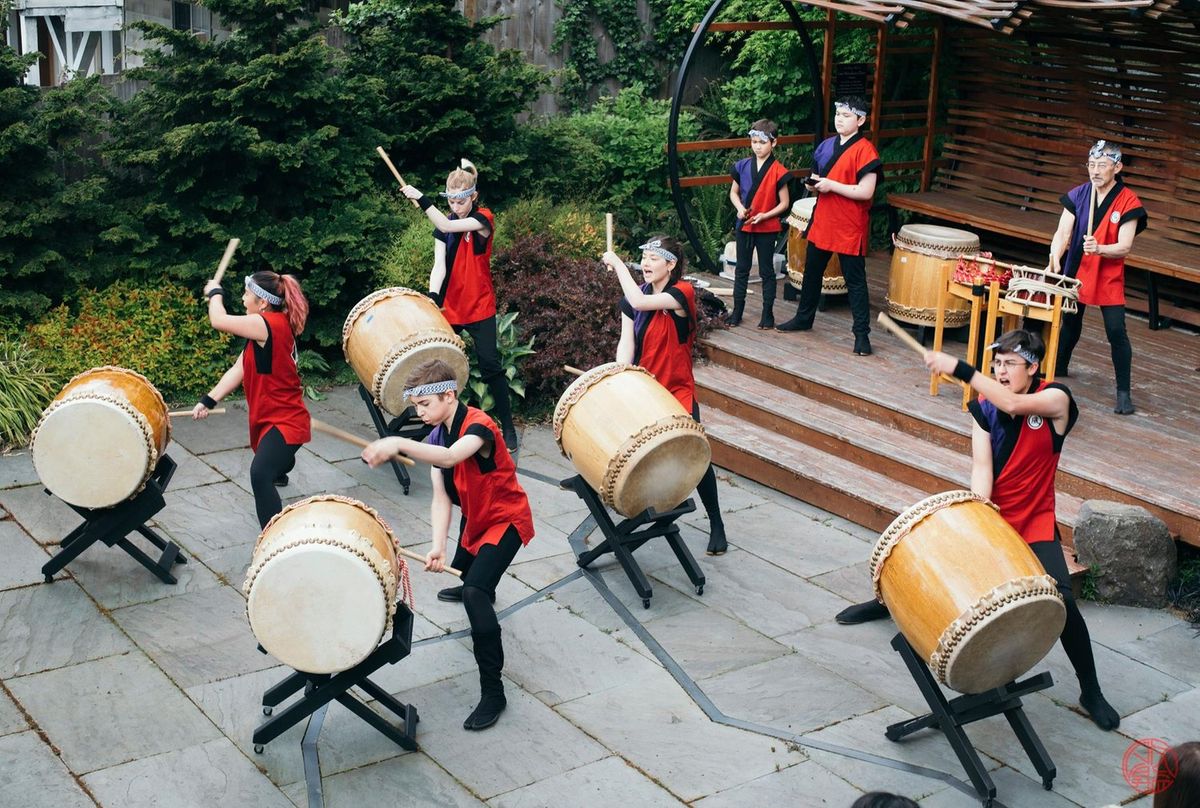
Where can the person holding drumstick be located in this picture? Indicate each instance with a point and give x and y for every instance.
(1020, 425)
(472, 468)
(658, 328)
(276, 311)
(1099, 221)
(461, 279)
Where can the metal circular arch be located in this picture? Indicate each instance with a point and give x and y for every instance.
(685, 67)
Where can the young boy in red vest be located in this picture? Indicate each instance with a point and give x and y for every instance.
(472, 468)
(759, 194)
(1097, 258)
(1020, 425)
(846, 170)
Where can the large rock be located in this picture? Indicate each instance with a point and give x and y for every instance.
(1132, 550)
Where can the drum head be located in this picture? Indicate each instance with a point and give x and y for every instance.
(662, 473)
(1005, 644)
(91, 453)
(802, 208)
(938, 236)
(317, 608)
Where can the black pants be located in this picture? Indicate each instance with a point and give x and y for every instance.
(487, 354)
(272, 459)
(764, 245)
(481, 573)
(707, 487)
(854, 270)
(1076, 640)
(1118, 341)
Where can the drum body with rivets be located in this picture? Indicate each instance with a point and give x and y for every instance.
(923, 252)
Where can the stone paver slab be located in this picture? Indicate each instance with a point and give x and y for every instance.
(11, 719)
(1174, 721)
(191, 471)
(805, 547)
(428, 663)
(196, 637)
(16, 469)
(115, 580)
(1013, 789)
(541, 572)
(44, 517)
(382, 482)
(111, 711)
(700, 640)
(211, 517)
(411, 779)
(602, 784)
(216, 433)
(658, 729)
(52, 625)
(473, 757)
(1128, 685)
(790, 693)
(805, 785)
(1173, 650)
(210, 774)
(852, 583)
(312, 475)
(32, 776)
(1115, 625)
(23, 557)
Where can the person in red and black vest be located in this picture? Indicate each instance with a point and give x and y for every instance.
(276, 311)
(1097, 259)
(1020, 425)
(658, 329)
(473, 469)
(461, 279)
(846, 170)
(759, 193)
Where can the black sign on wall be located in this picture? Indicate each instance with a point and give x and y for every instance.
(850, 79)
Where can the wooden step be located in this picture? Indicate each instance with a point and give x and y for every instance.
(900, 457)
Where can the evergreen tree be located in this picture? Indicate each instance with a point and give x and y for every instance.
(264, 135)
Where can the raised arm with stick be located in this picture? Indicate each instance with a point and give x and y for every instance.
(230, 249)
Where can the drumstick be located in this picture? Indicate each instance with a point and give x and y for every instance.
(421, 558)
(395, 173)
(1091, 208)
(573, 371)
(905, 337)
(181, 413)
(608, 228)
(230, 248)
(349, 437)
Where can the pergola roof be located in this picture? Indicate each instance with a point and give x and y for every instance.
(1001, 15)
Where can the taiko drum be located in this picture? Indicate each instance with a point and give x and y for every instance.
(923, 253)
(832, 282)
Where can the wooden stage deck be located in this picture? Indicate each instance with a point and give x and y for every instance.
(1149, 458)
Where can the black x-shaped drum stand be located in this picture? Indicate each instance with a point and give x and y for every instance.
(406, 426)
(951, 716)
(112, 525)
(322, 688)
(621, 539)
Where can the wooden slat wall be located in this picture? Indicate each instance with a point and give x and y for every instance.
(1032, 103)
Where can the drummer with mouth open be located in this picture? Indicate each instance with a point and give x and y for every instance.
(1020, 425)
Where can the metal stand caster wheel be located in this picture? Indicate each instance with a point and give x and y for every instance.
(699, 590)
(268, 710)
(258, 749)
(406, 490)
(645, 603)
(49, 578)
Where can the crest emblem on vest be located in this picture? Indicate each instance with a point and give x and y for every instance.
(1034, 421)
(1116, 217)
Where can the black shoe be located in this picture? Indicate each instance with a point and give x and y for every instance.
(1124, 403)
(794, 324)
(281, 481)
(862, 345)
(1099, 710)
(766, 323)
(453, 594)
(716, 539)
(862, 613)
(486, 713)
(733, 320)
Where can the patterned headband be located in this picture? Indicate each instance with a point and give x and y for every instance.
(1105, 149)
(862, 113)
(431, 389)
(1020, 351)
(274, 300)
(657, 248)
(459, 194)
(761, 135)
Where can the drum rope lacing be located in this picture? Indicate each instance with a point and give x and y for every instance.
(1028, 282)
(830, 285)
(616, 467)
(400, 352)
(122, 404)
(1020, 589)
(580, 386)
(951, 318)
(903, 524)
(936, 249)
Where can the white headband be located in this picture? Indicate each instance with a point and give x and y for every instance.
(1020, 351)
(862, 113)
(1105, 149)
(760, 134)
(274, 300)
(431, 389)
(657, 248)
(459, 194)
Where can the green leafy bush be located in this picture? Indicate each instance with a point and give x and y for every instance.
(408, 260)
(161, 332)
(576, 230)
(512, 351)
(25, 389)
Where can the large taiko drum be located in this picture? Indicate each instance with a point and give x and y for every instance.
(390, 333)
(630, 439)
(322, 584)
(966, 591)
(923, 252)
(832, 283)
(101, 437)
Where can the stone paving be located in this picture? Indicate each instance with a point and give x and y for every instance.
(120, 691)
